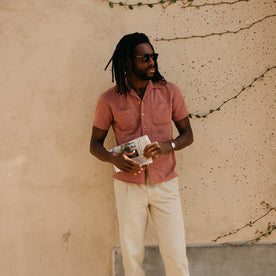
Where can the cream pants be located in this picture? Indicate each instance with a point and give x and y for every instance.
(162, 202)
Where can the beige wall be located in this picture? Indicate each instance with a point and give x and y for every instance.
(57, 210)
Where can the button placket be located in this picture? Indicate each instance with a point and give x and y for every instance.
(143, 119)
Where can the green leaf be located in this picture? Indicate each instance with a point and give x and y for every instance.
(130, 7)
(161, 1)
(190, 0)
(190, 116)
(198, 116)
(140, 4)
(218, 109)
(150, 5)
(110, 4)
(121, 3)
(211, 111)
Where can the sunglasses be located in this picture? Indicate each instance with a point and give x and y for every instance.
(146, 57)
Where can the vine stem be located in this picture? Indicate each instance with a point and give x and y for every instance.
(169, 2)
(234, 97)
(249, 224)
(213, 34)
(273, 227)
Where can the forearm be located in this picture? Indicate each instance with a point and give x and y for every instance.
(183, 140)
(98, 150)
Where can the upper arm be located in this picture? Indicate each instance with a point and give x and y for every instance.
(98, 135)
(179, 108)
(103, 113)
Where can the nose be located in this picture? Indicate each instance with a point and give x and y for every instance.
(151, 61)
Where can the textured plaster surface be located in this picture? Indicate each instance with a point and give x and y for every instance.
(57, 209)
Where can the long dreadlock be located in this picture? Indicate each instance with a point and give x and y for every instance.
(124, 52)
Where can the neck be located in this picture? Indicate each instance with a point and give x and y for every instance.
(138, 85)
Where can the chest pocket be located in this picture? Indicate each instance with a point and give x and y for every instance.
(161, 114)
(126, 120)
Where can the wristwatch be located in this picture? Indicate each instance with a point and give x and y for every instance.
(172, 145)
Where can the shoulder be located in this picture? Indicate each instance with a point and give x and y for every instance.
(168, 88)
(109, 97)
(109, 94)
(172, 87)
(165, 85)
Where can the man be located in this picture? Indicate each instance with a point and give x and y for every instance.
(143, 103)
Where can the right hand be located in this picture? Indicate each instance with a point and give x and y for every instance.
(124, 163)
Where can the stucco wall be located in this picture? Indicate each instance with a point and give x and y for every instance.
(57, 209)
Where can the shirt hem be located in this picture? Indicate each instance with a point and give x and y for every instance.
(117, 176)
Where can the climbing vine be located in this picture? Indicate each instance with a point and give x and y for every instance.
(234, 97)
(261, 234)
(185, 3)
(212, 34)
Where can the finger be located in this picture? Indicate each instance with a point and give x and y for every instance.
(152, 152)
(132, 163)
(133, 170)
(155, 157)
(132, 166)
(129, 153)
(151, 145)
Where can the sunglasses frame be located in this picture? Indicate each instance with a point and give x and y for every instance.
(146, 57)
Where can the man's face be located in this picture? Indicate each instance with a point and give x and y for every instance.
(144, 70)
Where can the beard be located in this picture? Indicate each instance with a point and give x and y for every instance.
(143, 74)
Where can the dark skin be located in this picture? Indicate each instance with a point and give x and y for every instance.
(138, 74)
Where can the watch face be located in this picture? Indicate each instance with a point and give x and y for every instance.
(173, 145)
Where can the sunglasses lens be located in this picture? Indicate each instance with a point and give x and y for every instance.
(154, 56)
(146, 57)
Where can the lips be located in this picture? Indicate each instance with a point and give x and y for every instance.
(151, 70)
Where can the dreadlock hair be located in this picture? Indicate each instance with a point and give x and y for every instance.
(124, 52)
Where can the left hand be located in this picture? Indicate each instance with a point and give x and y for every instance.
(156, 149)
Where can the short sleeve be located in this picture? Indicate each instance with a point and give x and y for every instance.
(179, 108)
(103, 114)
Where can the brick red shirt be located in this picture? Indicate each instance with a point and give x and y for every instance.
(131, 117)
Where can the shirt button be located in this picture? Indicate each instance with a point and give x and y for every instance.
(144, 126)
(143, 114)
(139, 102)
